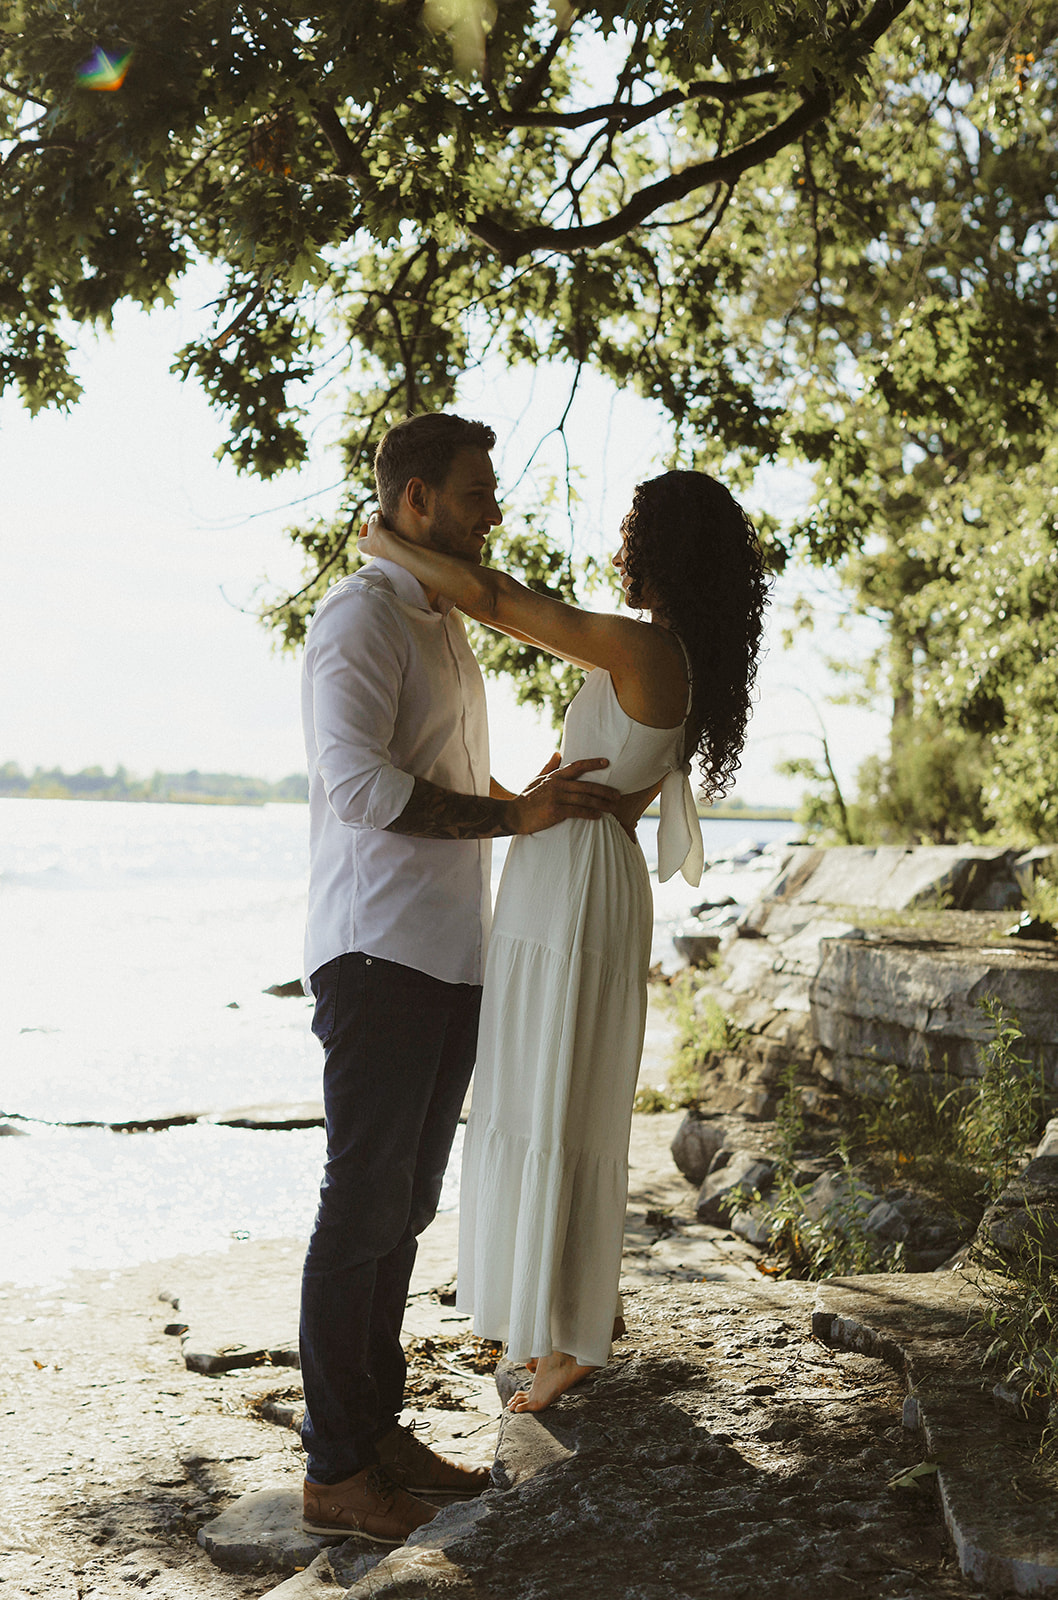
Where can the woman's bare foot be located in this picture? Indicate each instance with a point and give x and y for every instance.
(553, 1375)
(619, 1331)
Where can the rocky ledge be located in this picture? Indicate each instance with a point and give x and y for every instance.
(778, 1440)
(854, 963)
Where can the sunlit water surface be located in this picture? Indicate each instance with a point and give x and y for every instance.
(135, 945)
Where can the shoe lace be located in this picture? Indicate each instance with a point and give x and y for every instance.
(413, 1450)
(380, 1483)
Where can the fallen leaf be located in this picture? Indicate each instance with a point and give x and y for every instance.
(914, 1477)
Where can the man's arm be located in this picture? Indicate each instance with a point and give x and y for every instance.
(554, 796)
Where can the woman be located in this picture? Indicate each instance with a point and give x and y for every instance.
(545, 1161)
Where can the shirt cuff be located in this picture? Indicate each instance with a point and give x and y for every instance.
(390, 793)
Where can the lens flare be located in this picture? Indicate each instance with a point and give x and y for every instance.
(103, 71)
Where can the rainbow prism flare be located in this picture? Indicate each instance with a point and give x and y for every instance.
(103, 71)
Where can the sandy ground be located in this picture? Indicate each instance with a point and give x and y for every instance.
(114, 1454)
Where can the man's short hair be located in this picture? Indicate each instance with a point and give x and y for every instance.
(423, 447)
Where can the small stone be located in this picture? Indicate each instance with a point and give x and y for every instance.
(1048, 1145)
(698, 949)
(261, 1531)
(695, 1145)
(744, 1173)
(832, 1193)
(754, 1226)
(885, 1221)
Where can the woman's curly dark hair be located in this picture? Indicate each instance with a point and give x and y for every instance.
(692, 555)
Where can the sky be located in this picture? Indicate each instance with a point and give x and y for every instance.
(131, 560)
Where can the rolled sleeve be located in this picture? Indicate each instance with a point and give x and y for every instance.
(357, 669)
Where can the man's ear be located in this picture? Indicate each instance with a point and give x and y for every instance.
(417, 497)
(413, 511)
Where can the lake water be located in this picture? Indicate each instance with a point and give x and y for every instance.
(135, 943)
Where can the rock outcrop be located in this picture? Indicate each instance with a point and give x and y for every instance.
(844, 970)
(802, 969)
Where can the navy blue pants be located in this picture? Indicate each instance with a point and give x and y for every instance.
(398, 1053)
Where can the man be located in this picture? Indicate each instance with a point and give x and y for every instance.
(401, 809)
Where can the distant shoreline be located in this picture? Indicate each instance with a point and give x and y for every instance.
(737, 813)
(162, 788)
(159, 799)
(231, 789)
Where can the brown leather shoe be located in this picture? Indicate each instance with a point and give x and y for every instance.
(368, 1503)
(413, 1465)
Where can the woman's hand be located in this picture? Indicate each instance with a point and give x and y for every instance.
(375, 538)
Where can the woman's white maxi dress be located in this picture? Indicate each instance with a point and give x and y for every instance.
(545, 1159)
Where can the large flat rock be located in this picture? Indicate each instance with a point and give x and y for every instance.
(915, 1004)
(267, 1520)
(998, 1501)
(728, 1450)
(249, 1319)
(892, 877)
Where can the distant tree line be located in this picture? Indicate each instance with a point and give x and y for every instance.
(92, 783)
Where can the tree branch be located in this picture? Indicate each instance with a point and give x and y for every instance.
(531, 85)
(510, 244)
(630, 116)
(21, 94)
(30, 145)
(345, 150)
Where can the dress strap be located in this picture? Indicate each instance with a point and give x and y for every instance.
(687, 659)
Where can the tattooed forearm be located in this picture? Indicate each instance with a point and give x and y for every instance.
(435, 813)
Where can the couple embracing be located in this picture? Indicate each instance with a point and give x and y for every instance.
(402, 809)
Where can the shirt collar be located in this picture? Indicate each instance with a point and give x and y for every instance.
(409, 589)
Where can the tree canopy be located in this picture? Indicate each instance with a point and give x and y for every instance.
(813, 231)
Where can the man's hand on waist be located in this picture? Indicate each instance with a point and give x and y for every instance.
(554, 796)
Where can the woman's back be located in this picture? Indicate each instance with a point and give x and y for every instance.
(595, 724)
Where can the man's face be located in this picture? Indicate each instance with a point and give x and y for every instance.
(464, 509)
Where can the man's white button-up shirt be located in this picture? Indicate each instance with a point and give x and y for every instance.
(391, 692)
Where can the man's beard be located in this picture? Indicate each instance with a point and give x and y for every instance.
(449, 536)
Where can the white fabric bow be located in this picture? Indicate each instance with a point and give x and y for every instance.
(680, 847)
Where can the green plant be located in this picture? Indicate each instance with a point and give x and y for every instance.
(961, 1140)
(914, 1113)
(789, 1121)
(1009, 1107)
(649, 1101)
(1021, 1315)
(716, 1030)
(702, 1026)
(912, 1131)
(1041, 897)
(836, 1241)
(834, 1244)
